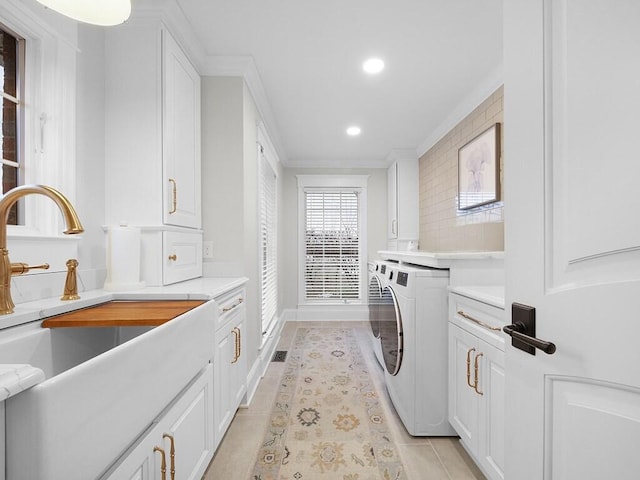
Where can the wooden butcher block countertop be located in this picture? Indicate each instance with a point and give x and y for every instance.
(149, 313)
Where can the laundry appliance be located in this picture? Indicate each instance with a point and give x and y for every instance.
(413, 337)
(378, 271)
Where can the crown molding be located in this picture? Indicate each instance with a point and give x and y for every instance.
(492, 82)
(245, 67)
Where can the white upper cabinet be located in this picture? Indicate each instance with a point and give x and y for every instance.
(180, 137)
(152, 128)
(152, 145)
(402, 200)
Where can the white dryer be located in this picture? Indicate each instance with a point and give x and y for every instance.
(378, 271)
(413, 336)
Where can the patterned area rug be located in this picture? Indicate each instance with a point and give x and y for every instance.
(327, 422)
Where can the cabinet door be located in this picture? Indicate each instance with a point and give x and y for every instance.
(182, 256)
(239, 367)
(180, 137)
(463, 399)
(191, 429)
(392, 201)
(230, 372)
(225, 353)
(491, 428)
(138, 463)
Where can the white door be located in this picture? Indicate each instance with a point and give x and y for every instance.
(572, 204)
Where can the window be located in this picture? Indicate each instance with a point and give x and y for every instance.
(10, 117)
(46, 57)
(333, 239)
(268, 234)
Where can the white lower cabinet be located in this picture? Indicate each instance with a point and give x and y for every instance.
(230, 361)
(179, 445)
(476, 383)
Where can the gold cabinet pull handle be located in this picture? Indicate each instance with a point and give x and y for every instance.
(469, 367)
(231, 307)
(173, 257)
(236, 334)
(475, 369)
(479, 322)
(163, 464)
(172, 454)
(239, 342)
(174, 190)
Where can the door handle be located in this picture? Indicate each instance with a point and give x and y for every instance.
(174, 195)
(475, 369)
(163, 465)
(515, 331)
(469, 367)
(523, 330)
(172, 454)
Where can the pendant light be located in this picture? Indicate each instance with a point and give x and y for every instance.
(96, 12)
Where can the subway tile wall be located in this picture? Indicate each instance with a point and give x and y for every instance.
(442, 227)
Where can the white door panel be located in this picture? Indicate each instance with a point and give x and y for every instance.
(572, 238)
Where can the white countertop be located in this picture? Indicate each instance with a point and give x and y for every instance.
(437, 259)
(489, 294)
(14, 378)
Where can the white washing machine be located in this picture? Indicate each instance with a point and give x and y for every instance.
(378, 271)
(413, 336)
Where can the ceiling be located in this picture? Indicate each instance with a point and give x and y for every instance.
(442, 58)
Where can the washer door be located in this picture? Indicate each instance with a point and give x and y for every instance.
(375, 300)
(390, 330)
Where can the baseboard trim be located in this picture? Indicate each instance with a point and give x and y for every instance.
(326, 313)
(261, 363)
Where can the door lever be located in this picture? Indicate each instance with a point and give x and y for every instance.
(523, 330)
(515, 331)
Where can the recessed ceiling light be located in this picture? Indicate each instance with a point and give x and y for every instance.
(353, 131)
(373, 65)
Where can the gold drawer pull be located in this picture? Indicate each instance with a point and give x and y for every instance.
(479, 322)
(173, 257)
(231, 307)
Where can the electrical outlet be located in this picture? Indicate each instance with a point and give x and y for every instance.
(207, 249)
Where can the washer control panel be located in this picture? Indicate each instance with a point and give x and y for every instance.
(402, 278)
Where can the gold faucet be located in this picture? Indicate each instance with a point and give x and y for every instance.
(6, 267)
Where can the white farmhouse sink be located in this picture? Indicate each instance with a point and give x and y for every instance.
(103, 388)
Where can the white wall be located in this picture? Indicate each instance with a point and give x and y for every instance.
(376, 222)
(222, 170)
(90, 163)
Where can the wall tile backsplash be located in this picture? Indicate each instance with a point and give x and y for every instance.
(442, 227)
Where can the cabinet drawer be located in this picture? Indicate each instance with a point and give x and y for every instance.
(481, 319)
(230, 305)
(182, 256)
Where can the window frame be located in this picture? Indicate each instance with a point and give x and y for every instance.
(268, 219)
(333, 182)
(49, 129)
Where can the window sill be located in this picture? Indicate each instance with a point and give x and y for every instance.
(35, 249)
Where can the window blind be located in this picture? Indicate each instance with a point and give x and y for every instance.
(268, 241)
(332, 245)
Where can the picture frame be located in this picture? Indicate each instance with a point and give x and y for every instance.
(479, 170)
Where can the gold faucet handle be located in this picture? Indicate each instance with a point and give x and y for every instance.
(19, 268)
(71, 282)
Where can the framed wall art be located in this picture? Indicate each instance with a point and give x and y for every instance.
(479, 170)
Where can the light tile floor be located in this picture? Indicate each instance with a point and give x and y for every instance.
(425, 458)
